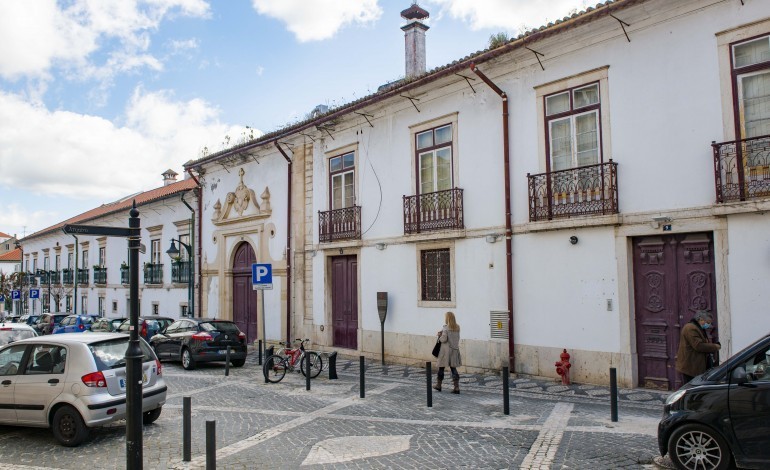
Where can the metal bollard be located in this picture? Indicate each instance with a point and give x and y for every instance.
(613, 394)
(333, 366)
(362, 370)
(429, 383)
(211, 445)
(186, 429)
(307, 371)
(268, 353)
(227, 362)
(506, 392)
(260, 352)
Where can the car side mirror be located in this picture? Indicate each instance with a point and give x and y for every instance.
(739, 376)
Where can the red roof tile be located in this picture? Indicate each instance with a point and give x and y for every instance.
(13, 255)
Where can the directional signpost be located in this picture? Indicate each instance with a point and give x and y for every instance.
(262, 279)
(134, 351)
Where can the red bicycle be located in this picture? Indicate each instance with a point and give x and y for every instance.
(292, 359)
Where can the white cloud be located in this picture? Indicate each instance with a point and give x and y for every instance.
(319, 19)
(37, 36)
(60, 153)
(509, 15)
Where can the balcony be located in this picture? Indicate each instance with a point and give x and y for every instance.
(339, 224)
(180, 272)
(55, 277)
(100, 275)
(83, 276)
(586, 190)
(67, 276)
(742, 169)
(153, 273)
(441, 210)
(124, 275)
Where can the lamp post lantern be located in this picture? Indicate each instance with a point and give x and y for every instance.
(173, 252)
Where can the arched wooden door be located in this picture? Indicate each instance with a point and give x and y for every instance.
(244, 297)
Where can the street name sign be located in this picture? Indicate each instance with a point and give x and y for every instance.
(262, 276)
(96, 230)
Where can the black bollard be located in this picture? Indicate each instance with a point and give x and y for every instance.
(506, 392)
(260, 352)
(227, 362)
(613, 394)
(429, 383)
(333, 366)
(186, 429)
(307, 371)
(362, 370)
(211, 445)
(268, 353)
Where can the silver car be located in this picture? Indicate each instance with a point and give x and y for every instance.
(72, 382)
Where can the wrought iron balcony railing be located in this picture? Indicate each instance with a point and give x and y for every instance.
(180, 272)
(67, 276)
(124, 275)
(100, 275)
(586, 190)
(742, 169)
(153, 273)
(83, 276)
(441, 210)
(339, 224)
(55, 277)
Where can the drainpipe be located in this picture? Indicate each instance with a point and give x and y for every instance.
(288, 246)
(191, 269)
(508, 230)
(198, 247)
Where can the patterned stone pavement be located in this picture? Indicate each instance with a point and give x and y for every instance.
(283, 425)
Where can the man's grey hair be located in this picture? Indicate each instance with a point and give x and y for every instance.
(703, 315)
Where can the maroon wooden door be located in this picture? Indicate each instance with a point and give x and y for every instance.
(345, 302)
(244, 296)
(673, 279)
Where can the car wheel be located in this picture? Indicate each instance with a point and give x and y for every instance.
(68, 427)
(694, 446)
(187, 360)
(151, 416)
(238, 362)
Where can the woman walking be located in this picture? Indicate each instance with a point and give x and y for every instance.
(449, 355)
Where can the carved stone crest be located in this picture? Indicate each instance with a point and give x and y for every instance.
(241, 204)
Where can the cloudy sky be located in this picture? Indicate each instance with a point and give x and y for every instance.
(99, 97)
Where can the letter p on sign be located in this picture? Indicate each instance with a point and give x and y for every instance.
(262, 276)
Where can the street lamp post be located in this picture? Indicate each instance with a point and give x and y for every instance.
(173, 252)
(20, 274)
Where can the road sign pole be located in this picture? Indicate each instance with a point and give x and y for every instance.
(134, 352)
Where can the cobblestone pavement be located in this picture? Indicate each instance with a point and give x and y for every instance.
(283, 425)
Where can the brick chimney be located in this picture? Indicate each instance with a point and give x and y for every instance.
(414, 36)
(169, 177)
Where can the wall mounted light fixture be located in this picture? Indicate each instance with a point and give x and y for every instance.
(492, 238)
(573, 239)
(656, 221)
(380, 246)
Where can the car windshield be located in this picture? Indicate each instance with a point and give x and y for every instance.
(9, 335)
(111, 354)
(223, 326)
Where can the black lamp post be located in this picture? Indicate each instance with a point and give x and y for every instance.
(21, 275)
(173, 252)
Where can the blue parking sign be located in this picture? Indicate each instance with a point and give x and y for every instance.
(34, 293)
(2, 298)
(16, 294)
(262, 276)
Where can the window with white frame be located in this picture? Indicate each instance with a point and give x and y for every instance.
(83, 304)
(751, 71)
(342, 175)
(84, 260)
(57, 267)
(436, 277)
(101, 306)
(70, 257)
(102, 256)
(185, 256)
(155, 252)
(434, 159)
(572, 119)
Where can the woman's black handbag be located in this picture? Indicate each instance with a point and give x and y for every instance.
(436, 348)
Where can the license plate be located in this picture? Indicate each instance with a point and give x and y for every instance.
(122, 382)
(223, 351)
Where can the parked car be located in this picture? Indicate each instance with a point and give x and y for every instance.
(193, 340)
(12, 319)
(148, 326)
(48, 321)
(721, 417)
(75, 324)
(105, 324)
(30, 319)
(73, 382)
(10, 332)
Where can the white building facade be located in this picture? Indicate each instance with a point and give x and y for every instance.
(587, 186)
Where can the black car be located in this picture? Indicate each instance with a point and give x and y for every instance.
(148, 326)
(193, 340)
(722, 416)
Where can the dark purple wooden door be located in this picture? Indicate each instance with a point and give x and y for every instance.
(345, 302)
(673, 279)
(244, 296)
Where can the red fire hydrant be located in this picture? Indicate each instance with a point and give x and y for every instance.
(562, 367)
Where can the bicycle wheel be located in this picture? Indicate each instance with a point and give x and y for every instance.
(316, 364)
(274, 369)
